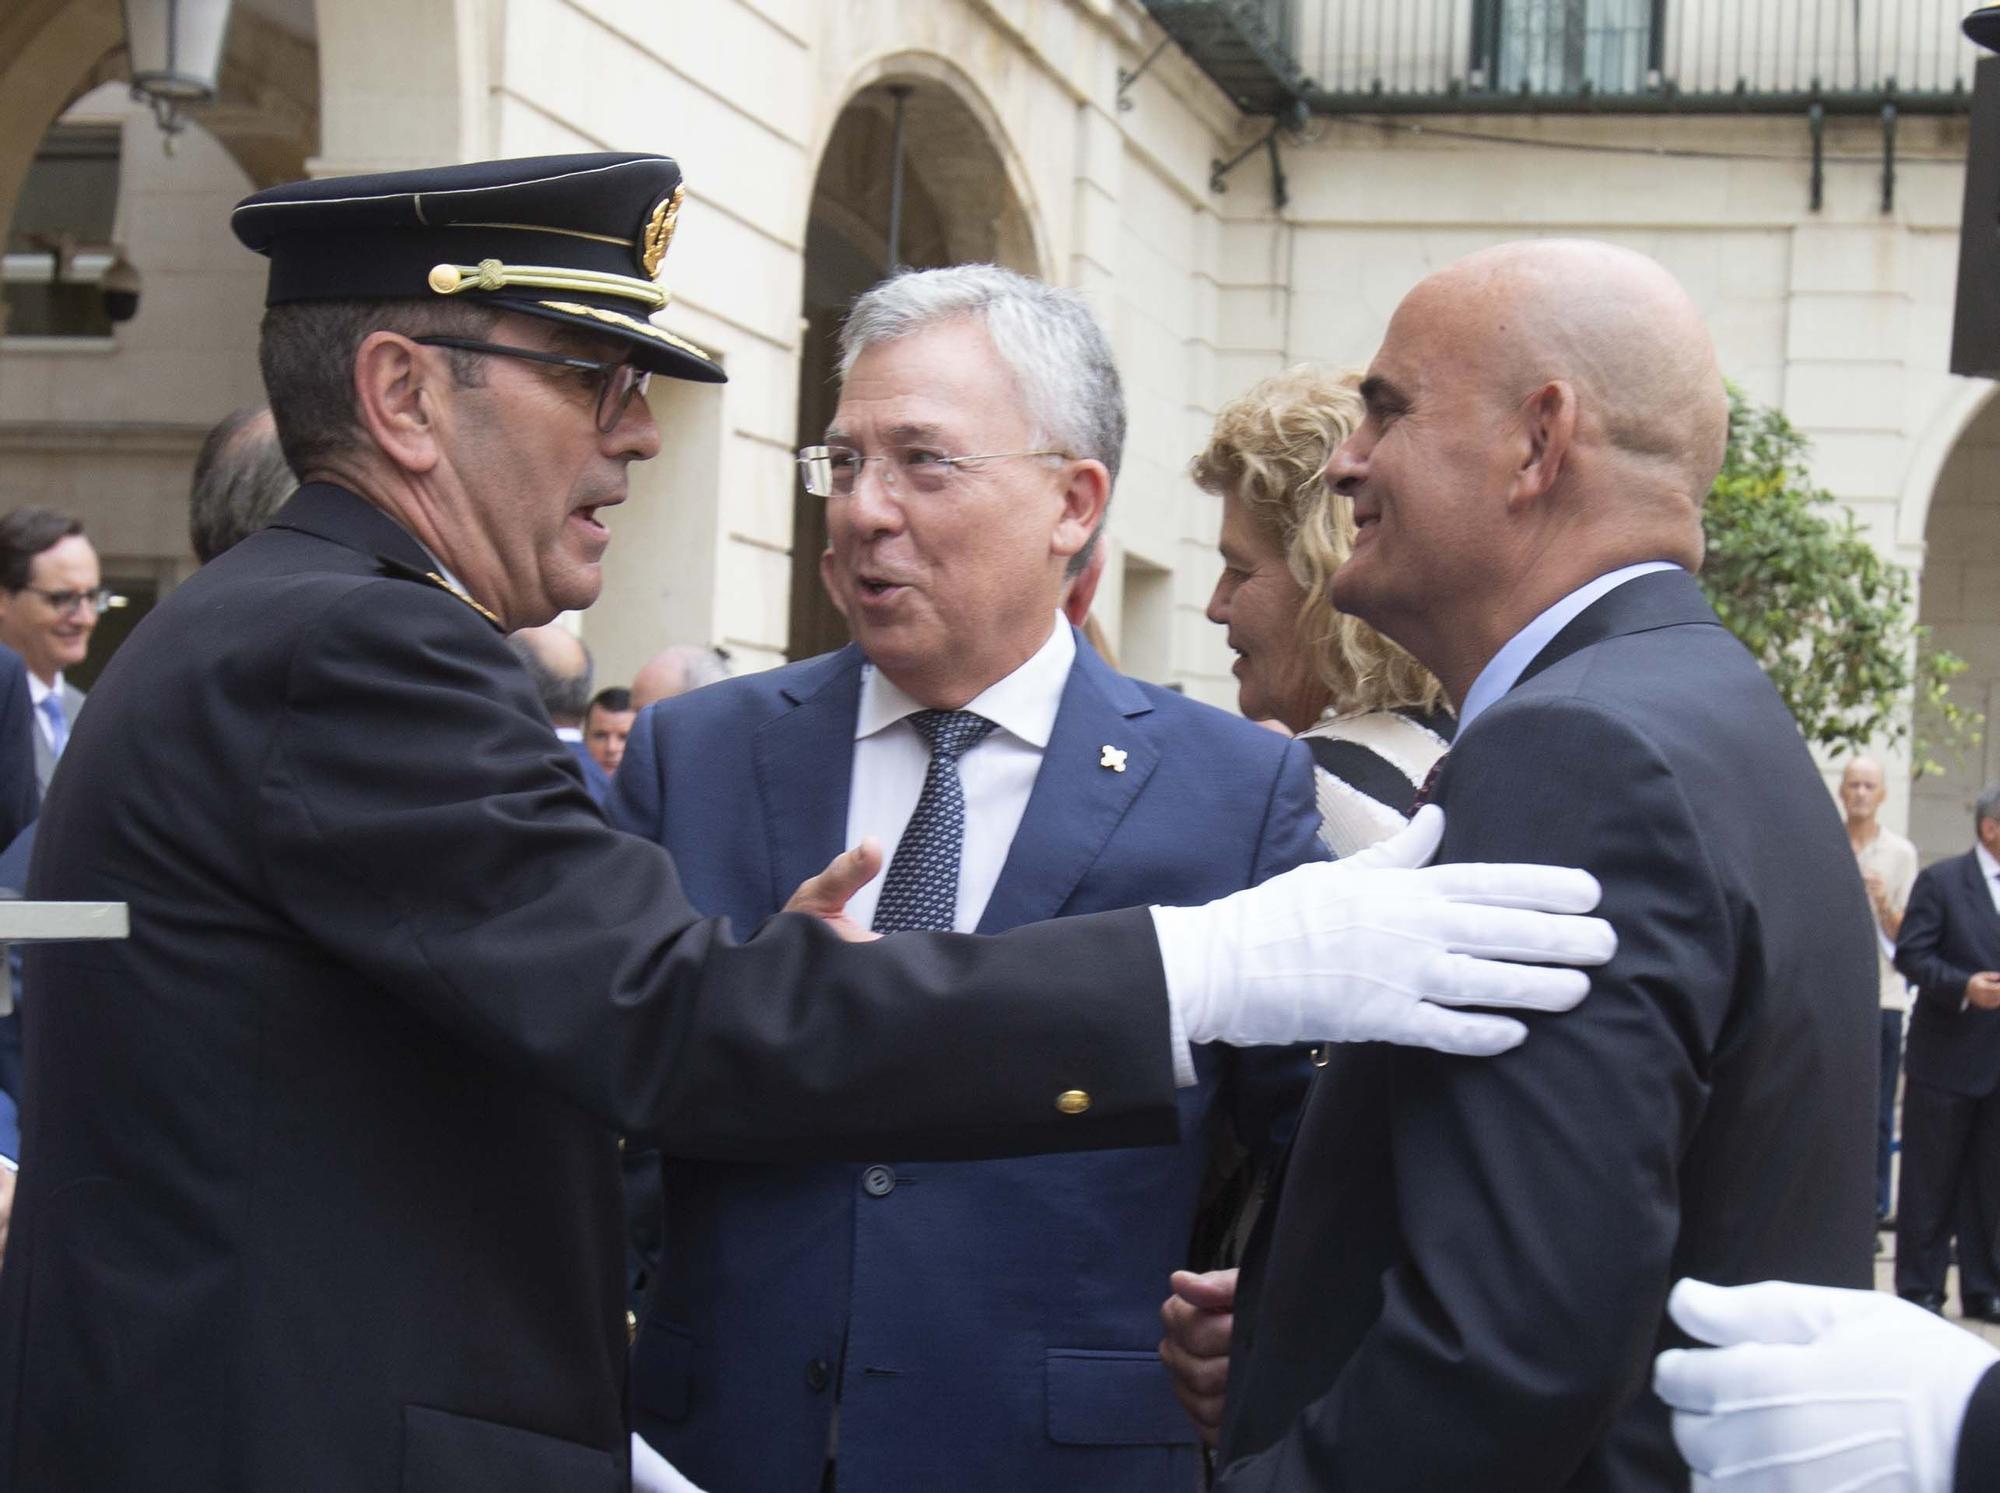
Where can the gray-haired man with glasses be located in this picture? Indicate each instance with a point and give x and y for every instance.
(983, 1326)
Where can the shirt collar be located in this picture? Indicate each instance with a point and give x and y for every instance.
(1023, 704)
(1503, 671)
(1988, 867)
(38, 691)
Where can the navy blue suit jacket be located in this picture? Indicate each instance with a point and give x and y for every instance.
(999, 1319)
(1950, 932)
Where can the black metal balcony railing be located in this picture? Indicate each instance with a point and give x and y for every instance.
(1624, 56)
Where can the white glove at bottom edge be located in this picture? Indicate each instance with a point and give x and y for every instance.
(1813, 1389)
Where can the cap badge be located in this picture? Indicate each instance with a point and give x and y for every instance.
(659, 232)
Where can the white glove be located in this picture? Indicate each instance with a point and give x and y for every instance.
(1816, 1390)
(1372, 949)
(653, 1473)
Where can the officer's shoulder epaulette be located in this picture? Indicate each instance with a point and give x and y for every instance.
(390, 565)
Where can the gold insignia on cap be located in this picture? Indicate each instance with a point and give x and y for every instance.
(1072, 1101)
(659, 232)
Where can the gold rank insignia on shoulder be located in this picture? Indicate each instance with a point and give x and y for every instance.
(437, 580)
(390, 565)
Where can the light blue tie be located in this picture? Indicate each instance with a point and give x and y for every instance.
(51, 707)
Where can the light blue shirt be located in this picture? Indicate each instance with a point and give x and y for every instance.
(1503, 671)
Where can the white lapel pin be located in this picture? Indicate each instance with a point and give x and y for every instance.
(1113, 758)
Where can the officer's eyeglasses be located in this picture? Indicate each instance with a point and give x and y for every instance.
(615, 383)
(69, 603)
(832, 471)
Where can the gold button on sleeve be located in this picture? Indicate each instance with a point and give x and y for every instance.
(1072, 1101)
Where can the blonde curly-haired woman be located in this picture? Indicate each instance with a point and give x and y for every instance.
(1374, 718)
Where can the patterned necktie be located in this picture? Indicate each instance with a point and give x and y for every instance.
(921, 889)
(52, 710)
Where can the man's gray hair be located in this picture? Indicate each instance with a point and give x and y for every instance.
(240, 481)
(1988, 806)
(1046, 336)
(676, 670)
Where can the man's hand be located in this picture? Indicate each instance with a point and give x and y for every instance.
(653, 1473)
(1372, 949)
(1983, 990)
(825, 895)
(1199, 1317)
(1812, 1388)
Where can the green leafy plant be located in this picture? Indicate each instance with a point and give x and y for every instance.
(1791, 574)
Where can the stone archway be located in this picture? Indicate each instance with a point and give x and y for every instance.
(1960, 603)
(959, 206)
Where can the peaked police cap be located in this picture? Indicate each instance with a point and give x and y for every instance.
(577, 239)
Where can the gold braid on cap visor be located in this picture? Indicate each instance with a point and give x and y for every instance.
(491, 274)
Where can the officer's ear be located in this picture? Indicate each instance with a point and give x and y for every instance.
(397, 385)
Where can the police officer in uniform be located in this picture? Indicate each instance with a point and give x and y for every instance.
(320, 1176)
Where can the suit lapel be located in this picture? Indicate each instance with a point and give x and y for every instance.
(804, 762)
(1076, 802)
(1663, 598)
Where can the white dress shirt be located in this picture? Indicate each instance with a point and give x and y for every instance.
(1505, 668)
(998, 772)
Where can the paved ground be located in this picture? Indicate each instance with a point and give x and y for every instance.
(1885, 1266)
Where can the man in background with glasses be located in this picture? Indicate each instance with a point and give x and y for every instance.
(320, 1184)
(51, 595)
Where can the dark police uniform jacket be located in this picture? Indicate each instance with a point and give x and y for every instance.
(321, 1181)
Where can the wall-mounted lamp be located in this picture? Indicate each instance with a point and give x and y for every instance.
(176, 51)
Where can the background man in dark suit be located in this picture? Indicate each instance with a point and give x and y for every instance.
(320, 1177)
(1463, 1276)
(980, 1326)
(1949, 949)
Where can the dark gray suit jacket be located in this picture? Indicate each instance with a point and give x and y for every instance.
(1460, 1283)
(1950, 932)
